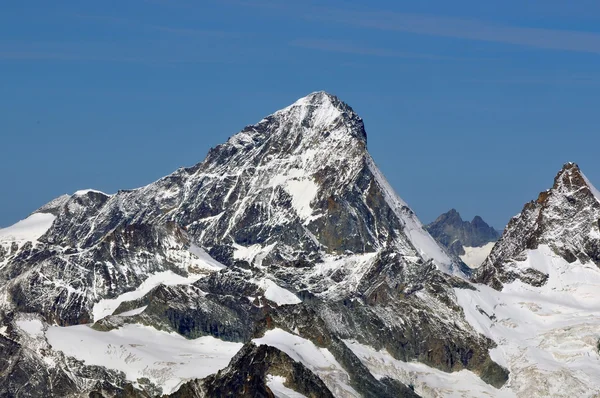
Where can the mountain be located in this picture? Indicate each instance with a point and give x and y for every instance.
(538, 294)
(564, 218)
(470, 241)
(282, 262)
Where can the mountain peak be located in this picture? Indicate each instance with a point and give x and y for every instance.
(569, 173)
(322, 99)
(563, 218)
(568, 181)
(323, 111)
(453, 232)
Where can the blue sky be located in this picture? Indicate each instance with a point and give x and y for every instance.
(468, 104)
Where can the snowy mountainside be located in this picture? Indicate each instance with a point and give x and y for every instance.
(287, 226)
(539, 299)
(275, 187)
(565, 218)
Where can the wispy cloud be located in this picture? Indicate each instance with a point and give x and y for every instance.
(541, 80)
(347, 47)
(11, 50)
(469, 29)
(440, 26)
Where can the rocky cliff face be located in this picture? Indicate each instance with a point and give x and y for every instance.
(564, 218)
(288, 229)
(451, 231)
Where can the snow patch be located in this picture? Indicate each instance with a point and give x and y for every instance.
(303, 192)
(324, 111)
(318, 360)
(167, 359)
(253, 254)
(278, 294)
(86, 191)
(475, 256)
(593, 189)
(29, 229)
(547, 336)
(204, 259)
(428, 382)
(33, 327)
(134, 312)
(106, 307)
(275, 383)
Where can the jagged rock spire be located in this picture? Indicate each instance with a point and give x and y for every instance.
(565, 218)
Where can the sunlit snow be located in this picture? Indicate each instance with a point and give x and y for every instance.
(475, 256)
(275, 383)
(318, 360)
(29, 229)
(278, 294)
(547, 336)
(106, 307)
(427, 381)
(166, 359)
(426, 246)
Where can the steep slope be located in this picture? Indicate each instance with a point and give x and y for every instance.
(289, 225)
(470, 241)
(296, 187)
(564, 218)
(540, 302)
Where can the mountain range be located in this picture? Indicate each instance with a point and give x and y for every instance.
(284, 265)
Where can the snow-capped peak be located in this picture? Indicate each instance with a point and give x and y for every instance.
(572, 176)
(324, 108)
(564, 218)
(82, 192)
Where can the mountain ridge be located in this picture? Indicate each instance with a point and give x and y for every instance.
(288, 226)
(559, 217)
(536, 293)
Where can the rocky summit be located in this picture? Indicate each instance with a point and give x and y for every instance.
(470, 241)
(539, 299)
(282, 265)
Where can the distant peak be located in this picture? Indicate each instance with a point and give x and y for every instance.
(479, 223)
(478, 220)
(451, 214)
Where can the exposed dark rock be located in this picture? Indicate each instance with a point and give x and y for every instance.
(246, 377)
(563, 218)
(293, 206)
(451, 231)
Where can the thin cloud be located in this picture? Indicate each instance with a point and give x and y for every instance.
(469, 29)
(541, 80)
(350, 48)
(441, 26)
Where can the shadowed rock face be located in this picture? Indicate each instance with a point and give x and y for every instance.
(564, 217)
(450, 230)
(246, 377)
(293, 206)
